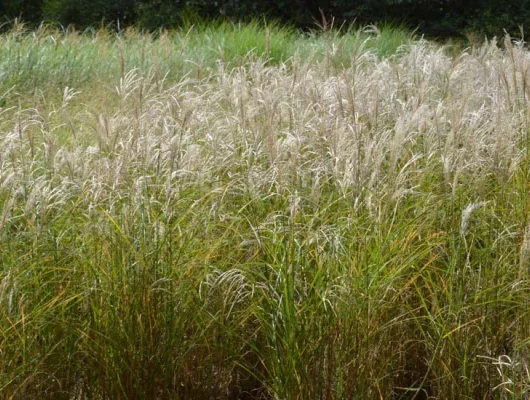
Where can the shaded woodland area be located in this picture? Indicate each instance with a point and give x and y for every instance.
(434, 18)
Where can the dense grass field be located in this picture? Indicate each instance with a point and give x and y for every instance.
(246, 212)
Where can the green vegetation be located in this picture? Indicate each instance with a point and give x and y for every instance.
(241, 211)
(436, 18)
(49, 59)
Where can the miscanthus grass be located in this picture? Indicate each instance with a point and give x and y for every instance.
(46, 59)
(350, 225)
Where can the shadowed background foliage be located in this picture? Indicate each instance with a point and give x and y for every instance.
(435, 18)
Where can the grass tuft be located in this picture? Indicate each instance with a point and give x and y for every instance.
(243, 211)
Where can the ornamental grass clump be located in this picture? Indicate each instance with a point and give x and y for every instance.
(350, 224)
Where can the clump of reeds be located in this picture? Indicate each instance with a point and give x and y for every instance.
(346, 226)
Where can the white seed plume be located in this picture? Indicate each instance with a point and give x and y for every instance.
(525, 246)
(466, 215)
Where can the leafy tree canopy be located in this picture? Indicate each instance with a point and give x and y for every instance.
(439, 18)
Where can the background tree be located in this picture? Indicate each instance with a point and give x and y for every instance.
(436, 18)
(28, 10)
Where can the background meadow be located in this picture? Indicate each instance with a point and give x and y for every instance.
(245, 211)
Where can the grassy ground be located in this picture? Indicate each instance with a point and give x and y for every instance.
(245, 212)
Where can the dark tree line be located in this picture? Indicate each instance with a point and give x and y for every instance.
(442, 18)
